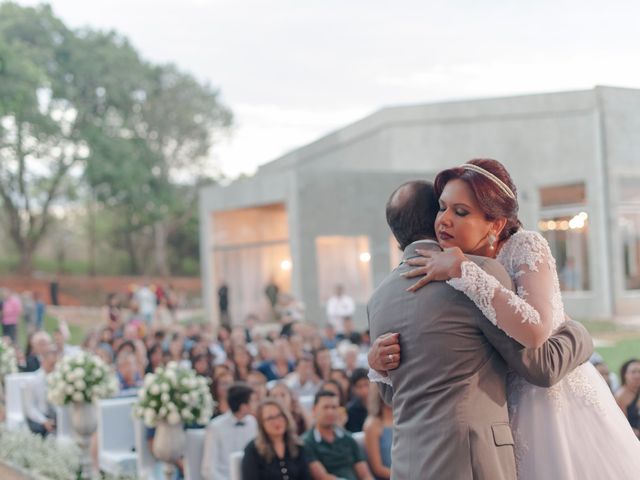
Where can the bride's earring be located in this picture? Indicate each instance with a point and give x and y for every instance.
(492, 241)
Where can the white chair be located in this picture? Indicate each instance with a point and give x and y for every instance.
(64, 430)
(13, 385)
(147, 465)
(236, 465)
(116, 440)
(193, 454)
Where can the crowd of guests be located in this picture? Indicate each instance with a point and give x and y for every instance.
(290, 396)
(15, 307)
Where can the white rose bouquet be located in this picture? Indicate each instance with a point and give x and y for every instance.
(174, 394)
(81, 378)
(8, 362)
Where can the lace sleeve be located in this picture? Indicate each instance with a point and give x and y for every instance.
(376, 377)
(527, 314)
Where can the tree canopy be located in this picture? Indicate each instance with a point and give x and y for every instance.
(82, 114)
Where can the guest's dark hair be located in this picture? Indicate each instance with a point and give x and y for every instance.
(322, 394)
(126, 344)
(625, 367)
(357, 375)
(238, 394)
(492, 200)
(411, 212)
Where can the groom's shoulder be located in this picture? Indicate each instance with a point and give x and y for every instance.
(493, 268)
(395, 285)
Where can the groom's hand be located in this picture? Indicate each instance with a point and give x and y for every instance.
(384, 354)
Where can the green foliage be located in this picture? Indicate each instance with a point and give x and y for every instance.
(82, 115)
(50, 323)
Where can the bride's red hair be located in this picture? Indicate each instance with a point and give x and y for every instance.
(491, 199)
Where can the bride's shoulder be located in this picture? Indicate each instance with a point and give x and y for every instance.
(527, 247)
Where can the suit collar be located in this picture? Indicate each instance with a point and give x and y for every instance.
(410, 251)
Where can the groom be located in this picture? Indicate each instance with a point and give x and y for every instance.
(449, 391)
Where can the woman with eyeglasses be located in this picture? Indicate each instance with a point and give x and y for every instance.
(276, 453)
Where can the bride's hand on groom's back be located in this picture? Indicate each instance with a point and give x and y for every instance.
(384, 354)
(435, 266)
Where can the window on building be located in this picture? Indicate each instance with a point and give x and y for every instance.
(571, 194)
(566, 227)
(568, 238)
(630, 233)
(344, 260)
(250, 251)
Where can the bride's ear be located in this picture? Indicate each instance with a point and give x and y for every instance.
(497, 226)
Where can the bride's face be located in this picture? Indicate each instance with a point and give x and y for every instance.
(461, 223)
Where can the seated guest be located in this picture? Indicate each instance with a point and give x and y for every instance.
(36, 345)
(39, 413)
(378, 434)
(628, 396)
(281, 392)
(105, 352)
(303, 381)
(127, 372)
(229, 432)
(242, 362)
(322, 363)
(357, 407)
(333, 386)
(276, 453)
(330, 449)
(60, 336)
(258, 382)
(339, 376)
(219, 390)
(201, 363)
(154, 358)
(350, 357)
(281, 365)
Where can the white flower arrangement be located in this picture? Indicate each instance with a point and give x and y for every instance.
(8, 362)
(81, 378)
(174, 394)
(42, 458)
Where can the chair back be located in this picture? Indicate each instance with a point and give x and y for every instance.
(236, 465)
(13, 387)
(193, 454)
(145, 460)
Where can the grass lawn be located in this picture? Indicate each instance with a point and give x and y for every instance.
(619, 352)
(50, 324)
(616, 343)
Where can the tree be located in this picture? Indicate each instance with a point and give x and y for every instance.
(83, 106)
(40, 142)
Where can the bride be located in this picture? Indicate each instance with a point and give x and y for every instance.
(573, 430)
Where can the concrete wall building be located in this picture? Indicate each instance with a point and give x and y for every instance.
(315, 217)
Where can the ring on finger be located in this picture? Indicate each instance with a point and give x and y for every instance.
(390, 357)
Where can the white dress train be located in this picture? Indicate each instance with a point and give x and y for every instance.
(573, 430)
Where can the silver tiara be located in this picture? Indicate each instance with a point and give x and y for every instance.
(503, 186)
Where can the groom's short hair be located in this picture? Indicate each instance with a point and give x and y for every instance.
(411, 212)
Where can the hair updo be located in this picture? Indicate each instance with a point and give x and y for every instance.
(492, 200)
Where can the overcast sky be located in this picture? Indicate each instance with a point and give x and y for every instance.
(293, 70)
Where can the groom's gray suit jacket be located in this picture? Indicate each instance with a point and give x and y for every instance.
(449, 393)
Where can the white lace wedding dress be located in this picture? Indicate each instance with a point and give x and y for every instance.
(573, 430)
